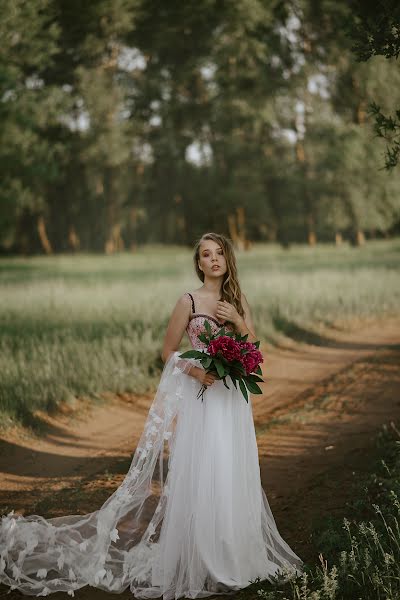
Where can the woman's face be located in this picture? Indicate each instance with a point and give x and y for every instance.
(211, 259)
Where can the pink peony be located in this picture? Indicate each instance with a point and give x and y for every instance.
(225, 346)
(252, 358)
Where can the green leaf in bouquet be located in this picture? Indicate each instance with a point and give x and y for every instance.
(223, 360)
(203, 338)
(219, 367)
(234, 381)
(243, 389)
(252, 386)
(207, 362)
(192, 354)
(230, 334)
(257, 343)
(207, 327)
(203, 361)
(258, 370)
(237, 365)
(225, 384)
(253, 377)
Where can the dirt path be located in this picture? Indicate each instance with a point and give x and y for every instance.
(317, 433)
(315, 423)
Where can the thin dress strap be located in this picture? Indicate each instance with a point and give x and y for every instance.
(192, 301)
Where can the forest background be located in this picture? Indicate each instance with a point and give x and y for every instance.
(128, 122)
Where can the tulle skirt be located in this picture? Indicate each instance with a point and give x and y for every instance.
(211, 531)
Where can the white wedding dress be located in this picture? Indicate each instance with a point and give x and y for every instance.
(203, 528)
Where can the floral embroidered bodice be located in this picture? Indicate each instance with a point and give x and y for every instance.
(196, 326)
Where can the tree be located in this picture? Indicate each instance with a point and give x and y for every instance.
(28, 110)
(375, 30)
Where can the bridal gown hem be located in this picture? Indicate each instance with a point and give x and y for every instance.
(196, 525)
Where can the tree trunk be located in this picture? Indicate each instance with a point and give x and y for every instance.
(44, 240)
(279, 224)
(133, 229)
(311, 235)
(233, 234)
(360, 109)
(114, 243)
(309, 216)
(241, 227)
(357, 237)
(73, 239)
(360, 238)
(312, 238)
(338, 238)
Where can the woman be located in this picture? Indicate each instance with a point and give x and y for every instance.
(211, 530)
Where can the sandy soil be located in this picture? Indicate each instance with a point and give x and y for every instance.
(322, 405)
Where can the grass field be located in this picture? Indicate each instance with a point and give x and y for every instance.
(74, 326)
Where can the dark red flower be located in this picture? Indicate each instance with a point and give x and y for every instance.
(226, 347)
(252, 358)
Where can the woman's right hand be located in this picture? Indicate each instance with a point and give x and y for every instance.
(206, 377)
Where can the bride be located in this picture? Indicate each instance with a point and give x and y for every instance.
(196, 525)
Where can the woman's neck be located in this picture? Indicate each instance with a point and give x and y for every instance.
(212, 287)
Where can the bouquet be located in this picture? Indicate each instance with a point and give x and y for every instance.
(230, 354)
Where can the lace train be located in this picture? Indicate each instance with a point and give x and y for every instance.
(211, 532)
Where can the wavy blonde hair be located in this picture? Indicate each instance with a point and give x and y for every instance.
(230, 289)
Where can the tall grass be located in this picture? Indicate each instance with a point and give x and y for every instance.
(75, 326)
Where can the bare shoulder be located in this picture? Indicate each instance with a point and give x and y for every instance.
(184, 300)
(182, 309)
(183, 305)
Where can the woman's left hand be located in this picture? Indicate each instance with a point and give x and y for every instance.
(227, 312)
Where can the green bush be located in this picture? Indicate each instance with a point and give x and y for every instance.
(367, 567)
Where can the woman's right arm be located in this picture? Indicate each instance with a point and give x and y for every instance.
(177, 324)
(173, 336)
